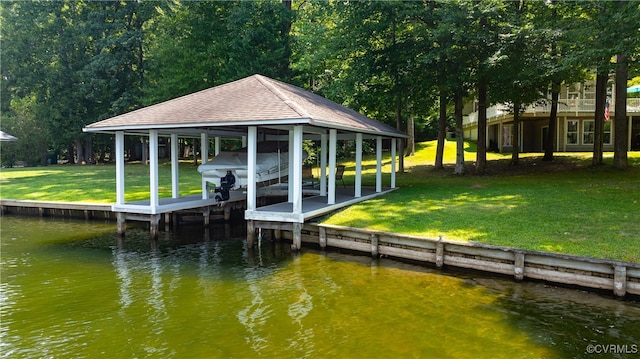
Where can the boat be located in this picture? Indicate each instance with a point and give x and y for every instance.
(272, 165)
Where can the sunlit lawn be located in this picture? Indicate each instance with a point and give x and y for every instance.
(71, 183)
(585, 211)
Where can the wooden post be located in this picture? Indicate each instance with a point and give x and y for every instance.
(620, 281)
(277, 234)
(439, 253)
(154, 223)
(374, 244)
(206, 214)
(251, 233)
(227, 212)
(518, 266)
(167, 220)
(297, 236)
(122, 223)
(322, 237)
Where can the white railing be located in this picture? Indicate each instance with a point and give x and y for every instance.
(574, 106)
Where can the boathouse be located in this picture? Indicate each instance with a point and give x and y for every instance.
(254, 109)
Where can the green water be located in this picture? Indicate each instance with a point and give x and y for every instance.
(70, 290)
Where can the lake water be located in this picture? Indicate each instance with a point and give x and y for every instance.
(70, 289)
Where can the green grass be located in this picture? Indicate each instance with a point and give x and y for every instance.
(74, 183)
(566, 206)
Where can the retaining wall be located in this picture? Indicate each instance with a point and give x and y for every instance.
(621, 278)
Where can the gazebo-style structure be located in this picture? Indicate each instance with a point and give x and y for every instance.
(255, 108)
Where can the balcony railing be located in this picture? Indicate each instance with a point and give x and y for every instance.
(564, 106)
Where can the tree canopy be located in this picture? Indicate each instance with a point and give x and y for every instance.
(69, 63)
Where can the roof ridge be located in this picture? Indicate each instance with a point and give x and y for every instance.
(268, 83)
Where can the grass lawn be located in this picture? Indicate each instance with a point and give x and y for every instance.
(75, 183)
(565, 206)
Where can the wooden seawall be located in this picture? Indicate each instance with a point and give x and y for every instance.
(85, 210)
(619, 277)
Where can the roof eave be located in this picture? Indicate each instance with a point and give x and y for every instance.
(177, 126)
(360, 130)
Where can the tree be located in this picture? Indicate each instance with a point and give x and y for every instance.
(259, 34)
(79, 61)
(604, 30)
(484, 41)
(187, 49)
(373, 59)
(520, 68)
(451, 60)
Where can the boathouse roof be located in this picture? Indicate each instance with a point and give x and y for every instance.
(252, 101)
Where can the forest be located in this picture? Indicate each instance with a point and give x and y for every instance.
(412, 64)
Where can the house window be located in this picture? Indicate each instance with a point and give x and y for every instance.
(588, 132)
(507, 135)
(606, 137)
(588, 128)
(572, 132)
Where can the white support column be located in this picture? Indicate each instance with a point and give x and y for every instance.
(175, 176)
(204, 147)
(290, 172)
(358, 181)
(378, 164)
(252, 144)
(333, 138)
(217, 146)
(324, 148)
(394, 142)
(244, 141)
(296, 181)
(204, 156)
(120, 167)
(154, 196)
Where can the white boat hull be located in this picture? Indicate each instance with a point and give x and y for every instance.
(270, 166)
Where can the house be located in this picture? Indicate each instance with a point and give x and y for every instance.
(575, 123)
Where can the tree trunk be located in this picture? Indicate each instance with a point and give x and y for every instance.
(195, 152)
(621, 135)
(553, 120)
(598, 131)
(481, 154)
(145, 150)
(80, 152)
(400, 142)
(70, 154)
(411, 145)
(88, 151)
(460, 170)
(515, 144)
(442, 131)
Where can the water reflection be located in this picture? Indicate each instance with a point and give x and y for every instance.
(202, 293)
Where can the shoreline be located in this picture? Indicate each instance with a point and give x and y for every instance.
(620, 277)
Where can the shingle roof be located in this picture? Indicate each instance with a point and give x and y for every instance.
(254, 100)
